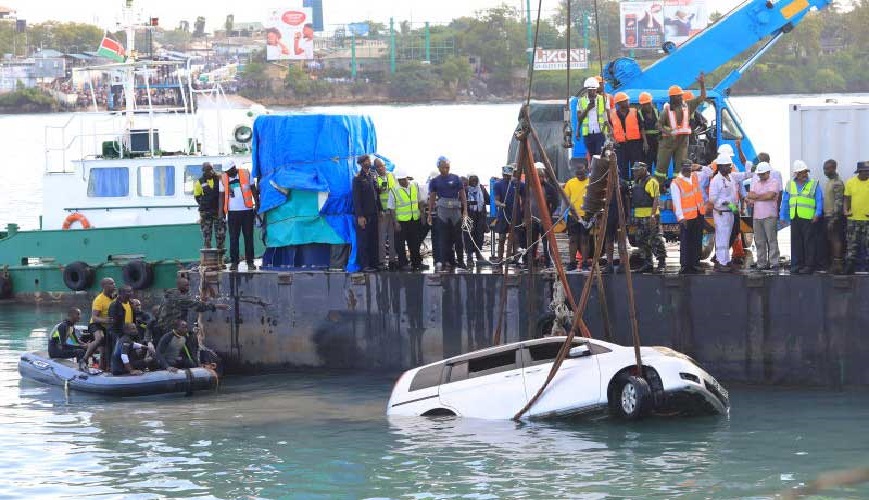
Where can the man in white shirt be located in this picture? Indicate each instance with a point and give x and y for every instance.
(724, 196)
(405, 201)
(240, 198)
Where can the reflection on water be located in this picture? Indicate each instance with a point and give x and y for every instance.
(318, 436)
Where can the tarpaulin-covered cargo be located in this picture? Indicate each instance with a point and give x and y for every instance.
(305, 166)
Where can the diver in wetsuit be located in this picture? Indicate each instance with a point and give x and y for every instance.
(64, 342)
(178, 349)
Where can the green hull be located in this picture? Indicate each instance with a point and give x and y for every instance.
(34, 260)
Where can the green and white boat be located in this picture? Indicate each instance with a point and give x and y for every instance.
(117, 186)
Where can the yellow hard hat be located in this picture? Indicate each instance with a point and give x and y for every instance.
(645, 98)
(622, 97)
(675, 90)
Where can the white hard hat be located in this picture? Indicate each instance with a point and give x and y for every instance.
(400, 173)
(539, 165)
(591, 83)
(724, 159)
(763, 168)
(725, 149)
(799, 166)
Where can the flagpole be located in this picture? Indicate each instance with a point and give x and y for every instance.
(129, 71)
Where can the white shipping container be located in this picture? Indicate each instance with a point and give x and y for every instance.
(819, 132)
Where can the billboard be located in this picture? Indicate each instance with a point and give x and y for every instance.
(550, 60)
(642, 24)
(684, 19)
(648, 24)
(290, 34)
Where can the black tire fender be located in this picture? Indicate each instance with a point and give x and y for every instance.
(632, 398)
(78, 276)
(138, 274)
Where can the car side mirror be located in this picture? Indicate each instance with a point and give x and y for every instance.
(579, 351)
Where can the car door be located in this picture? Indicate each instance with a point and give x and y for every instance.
(576, 386)
(489, 386)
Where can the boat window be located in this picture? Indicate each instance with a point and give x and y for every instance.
(427, 377)
(109, 182)
(729, 128)
(493, 363)
(194, 172)
(157, 181)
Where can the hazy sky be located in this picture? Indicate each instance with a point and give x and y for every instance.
(105, 13)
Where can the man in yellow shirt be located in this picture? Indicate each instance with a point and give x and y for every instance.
(645, 197)
(100, 321)
(579, 236)
(857, 211)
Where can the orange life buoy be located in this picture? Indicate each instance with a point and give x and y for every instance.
(76, 217)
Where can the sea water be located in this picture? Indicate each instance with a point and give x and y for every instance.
(317, 436)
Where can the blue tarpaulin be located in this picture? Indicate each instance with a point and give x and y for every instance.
(297, 157)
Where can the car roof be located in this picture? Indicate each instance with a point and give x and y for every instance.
(508, 347)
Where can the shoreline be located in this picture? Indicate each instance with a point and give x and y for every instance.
(385, 100)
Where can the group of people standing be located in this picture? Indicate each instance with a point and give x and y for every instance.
(227, 199)
(394, 215)
(828, 220)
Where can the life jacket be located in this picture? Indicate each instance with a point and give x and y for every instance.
(630, 131)
(640, 198)
(406, 205)
(649, 123)
(802, 202)
(600, 107)
(691, 198)
(210, 196)
(676, 127)
(385, 185)
(246, 191)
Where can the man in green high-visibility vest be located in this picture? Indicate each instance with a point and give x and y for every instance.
(405, 202)
(386, 226)
(802, 205)
(591, 115)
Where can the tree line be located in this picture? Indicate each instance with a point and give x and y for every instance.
(487, 56)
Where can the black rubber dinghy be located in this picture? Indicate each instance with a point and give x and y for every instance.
(39, 367)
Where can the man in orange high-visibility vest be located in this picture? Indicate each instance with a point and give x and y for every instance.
(239, 204)
(689, 207)
(625, 126)
(675, 126)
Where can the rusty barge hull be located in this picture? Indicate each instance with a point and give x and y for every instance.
(757, 329)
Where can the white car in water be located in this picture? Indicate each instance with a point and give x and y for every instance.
(597, 376)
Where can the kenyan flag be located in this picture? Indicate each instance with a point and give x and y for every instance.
(111, 49)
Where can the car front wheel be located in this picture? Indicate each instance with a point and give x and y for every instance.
(634, 398)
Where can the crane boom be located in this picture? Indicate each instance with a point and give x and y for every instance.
(739, 30)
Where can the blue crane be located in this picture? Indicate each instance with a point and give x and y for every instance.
(750, 23)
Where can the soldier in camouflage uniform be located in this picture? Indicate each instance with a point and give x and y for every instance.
(177, 304)
(645, 197)
(857, 211)
(206, 192)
